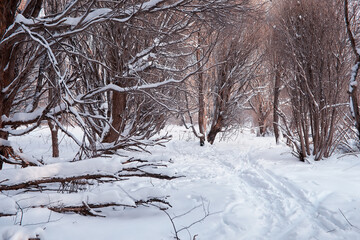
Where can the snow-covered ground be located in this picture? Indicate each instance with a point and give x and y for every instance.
(244, 188)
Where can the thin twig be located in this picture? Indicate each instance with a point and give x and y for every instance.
(348, 220)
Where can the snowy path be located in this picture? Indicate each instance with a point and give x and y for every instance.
(258, 203)
(286, 207)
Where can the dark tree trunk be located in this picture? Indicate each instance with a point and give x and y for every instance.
(220, 104)
(202, 111)
(52, 97)
(7, 66)
(54, 132)
(276, 105)
(54, 139)
(262, 127)
(118, 107)
(202, 115)
(215, 129)
(8, 11)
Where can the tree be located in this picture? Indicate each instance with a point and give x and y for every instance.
(313, 43)
(237, 61)
(218, 92)
(16, 62)
(353, 94)
(274, 64)
(195, 91)
(261, 103)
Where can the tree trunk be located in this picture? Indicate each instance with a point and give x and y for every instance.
(202, 110)
(52, 97)
(7, 67)
(118, 106)
(3, 136)
(202, 114)
(262, 126)
(54, 138)
(276, 105)
(5, 102)
(263, 114)
(215, 129)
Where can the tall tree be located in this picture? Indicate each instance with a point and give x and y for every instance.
(215, 96)
(237, 61)
(353, 93)
(15, 63)
(312, 41)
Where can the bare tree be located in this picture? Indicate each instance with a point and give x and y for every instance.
(237, 61)
(354, 106)
(275, 64)
(313, 44)
(47, 72)
(195, 91)
(261, 102)
(15, 65)
(219, 92)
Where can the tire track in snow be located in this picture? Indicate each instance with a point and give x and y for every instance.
(262, 205)
(325, 218)
(289, 213)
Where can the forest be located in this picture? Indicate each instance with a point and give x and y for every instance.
(112, 75)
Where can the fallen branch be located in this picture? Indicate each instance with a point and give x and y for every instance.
(37, 188)
(88, 209)
(36, 183)
(85, 203)
(7, 214)
(110, 170)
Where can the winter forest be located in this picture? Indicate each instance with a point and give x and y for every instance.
(179, 119)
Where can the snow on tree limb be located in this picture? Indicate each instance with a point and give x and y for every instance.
(80, 203)
(98, 168)
(108, 173)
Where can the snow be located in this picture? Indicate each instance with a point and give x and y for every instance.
(96, 14)
(244, 188)
(114, 87)
(22, 19)
(4, 142)
(151, 4)
(20, 233)
(353, 82)
(24, 116)
(7, 206)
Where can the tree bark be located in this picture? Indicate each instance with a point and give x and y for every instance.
(202, 114)
(118, 107)
(276, 105)
(202, 110)
(262, 125)
(220, 103)
(54, 139)
(215, 129)
(7, 67)
(53, 127)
